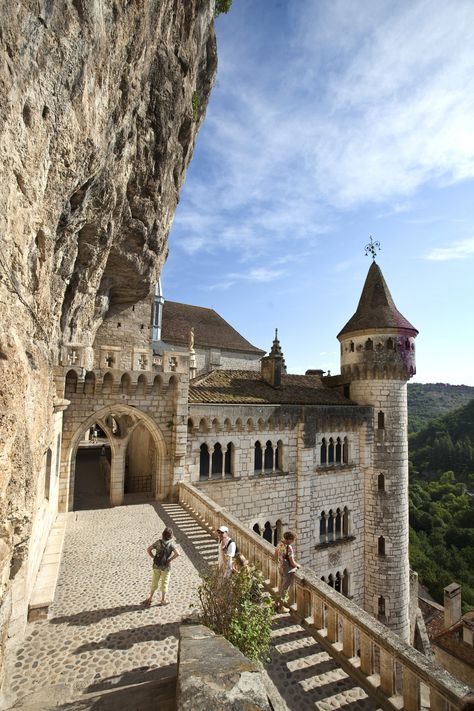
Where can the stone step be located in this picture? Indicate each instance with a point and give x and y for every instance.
(47, 576)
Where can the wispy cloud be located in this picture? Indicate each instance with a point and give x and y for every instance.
(258, 275)
(458, 250)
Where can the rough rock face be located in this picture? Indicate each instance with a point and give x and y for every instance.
(100, 102)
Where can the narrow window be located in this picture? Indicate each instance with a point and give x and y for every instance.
(267, 531)
(345, 522)
(381, 420)
(338, 523)
(381, 607)
(256, 528)
(407, 344)
(204, 462)
(279, 456)
(347, 391)
(369, 345)
(345, 451)
(268, 459)
(331, 451)
(337, 585)
(338, 451)
(331, 580)
(258, 457)
(381, 545)
(217, 461)
(322, 528)
(345, 583)
(228, 460)
(324, 452)
(277, 533)
(47, 474)
(330, 526)
(351, 346)
(381, 482)
(390, 344)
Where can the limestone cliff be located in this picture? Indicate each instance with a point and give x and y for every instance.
(100, 102)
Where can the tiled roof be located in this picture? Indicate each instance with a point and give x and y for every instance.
(452, 642)
(247, 387)
(210, 329)
(376, 308)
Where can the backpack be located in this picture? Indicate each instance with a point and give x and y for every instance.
(228, 544)
(160, 559)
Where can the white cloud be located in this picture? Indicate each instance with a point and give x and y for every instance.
(458, 250)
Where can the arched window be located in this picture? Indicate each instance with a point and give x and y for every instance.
(322, 528)
(345, 451)
(369, 345)
(71, 383)
(338, 523)
(108, 383)
(125, 383)
(89, 383)
(390, 344)
(217, 461)
(157, 384)
(330, 526)
(381, 607)
(258, 457)
(381, 482)
(331, 580)
(331, 451)
(351, 346)
(337, 584)
(142, 385)
(47, 474)
(228, 460)
(345, 522)
(324, 452)
(256, 528)
(204, 462)
(338, 451)
(267, 531)
(381, 420)
(268, 459)
(279, 456)
(381, 545)
(345, 583)
(407, 344)
(277, 533)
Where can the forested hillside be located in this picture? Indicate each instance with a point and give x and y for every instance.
(441, 503)
(426, 401)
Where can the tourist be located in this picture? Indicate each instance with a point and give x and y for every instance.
(163, 552)
(226, 550)
(287, 565)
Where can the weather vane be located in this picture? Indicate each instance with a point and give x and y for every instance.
(372, 248)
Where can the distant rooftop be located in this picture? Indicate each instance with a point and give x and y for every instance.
(247, 387)
(210, 329)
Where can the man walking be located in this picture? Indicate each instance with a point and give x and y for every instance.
(226, 550)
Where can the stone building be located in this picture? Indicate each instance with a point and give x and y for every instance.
(326, 456)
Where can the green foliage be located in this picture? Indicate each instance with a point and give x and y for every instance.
(222, 7)
(426, 401)
(196, 106)
(238, 608)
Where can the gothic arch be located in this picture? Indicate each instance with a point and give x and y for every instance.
(118, 446)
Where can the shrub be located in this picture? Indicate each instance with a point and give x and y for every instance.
(238, 608)
(222, 7)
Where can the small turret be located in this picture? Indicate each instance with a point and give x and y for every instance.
(273, 365)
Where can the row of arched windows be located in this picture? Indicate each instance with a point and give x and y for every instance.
(334, 451)
(124, 386)
(268, 459)
(339, 581)
(390, 344)
(270, 532)
(215, 461)
(334, 525)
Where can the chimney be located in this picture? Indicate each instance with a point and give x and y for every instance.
(273, 364)
(452, 604)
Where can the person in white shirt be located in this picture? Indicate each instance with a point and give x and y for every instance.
(226, 550)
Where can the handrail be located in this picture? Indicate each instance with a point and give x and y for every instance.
(394, 667)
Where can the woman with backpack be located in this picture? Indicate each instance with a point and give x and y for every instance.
(163, 552)
(285, 558)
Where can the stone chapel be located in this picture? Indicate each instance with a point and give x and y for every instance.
(170, 392)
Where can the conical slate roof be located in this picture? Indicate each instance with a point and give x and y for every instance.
(376, 309)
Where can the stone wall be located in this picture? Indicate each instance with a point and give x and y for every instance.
(96, 132)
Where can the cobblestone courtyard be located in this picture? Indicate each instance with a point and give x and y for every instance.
(99, 647)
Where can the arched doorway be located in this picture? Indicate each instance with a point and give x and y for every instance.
(140, 462)
(92, 470)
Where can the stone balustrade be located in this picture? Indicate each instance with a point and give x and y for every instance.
(390, 670)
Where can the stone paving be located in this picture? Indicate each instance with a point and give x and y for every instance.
(99, 639)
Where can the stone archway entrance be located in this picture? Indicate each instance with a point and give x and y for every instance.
(92, 470)
(137, 460)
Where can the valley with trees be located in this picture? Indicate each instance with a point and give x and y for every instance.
(441, 491)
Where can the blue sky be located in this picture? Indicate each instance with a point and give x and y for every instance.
(330, 121)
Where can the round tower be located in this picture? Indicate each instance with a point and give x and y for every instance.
(377, 360)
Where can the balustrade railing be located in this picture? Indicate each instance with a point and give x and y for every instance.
(387, 667)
